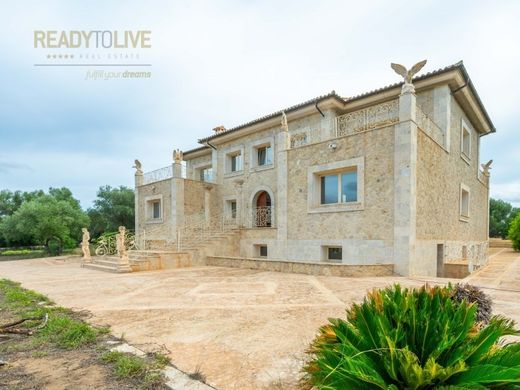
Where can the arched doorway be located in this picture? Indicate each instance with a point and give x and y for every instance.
(262, 209)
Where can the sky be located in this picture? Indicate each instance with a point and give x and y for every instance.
(225, 63)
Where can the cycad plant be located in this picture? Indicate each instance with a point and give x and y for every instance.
(413, 339)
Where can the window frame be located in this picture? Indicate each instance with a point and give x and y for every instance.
(464, 215)
(465, 129)
(327, 255)
(149, 202)
(316, 172)
(229, 154)
(255, 147)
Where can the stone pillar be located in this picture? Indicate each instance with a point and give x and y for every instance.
(241, 206)
(138, 180)
(442, 112)
(207, 203)
(282, 147)
(177, 194)
(405, 184)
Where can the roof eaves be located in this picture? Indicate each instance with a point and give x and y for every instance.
(274, 114)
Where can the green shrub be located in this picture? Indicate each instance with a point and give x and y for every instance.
(67, 332)
(15, 252)
(514, 232)
(413, 339)
(475, 295)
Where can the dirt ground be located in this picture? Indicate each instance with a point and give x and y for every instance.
(243, 329)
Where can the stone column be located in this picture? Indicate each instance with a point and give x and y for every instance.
(177, 194)
(405, 183)
(138, 180)
(282, 147)
(207, 203)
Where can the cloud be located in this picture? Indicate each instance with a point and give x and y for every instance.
(8, 167)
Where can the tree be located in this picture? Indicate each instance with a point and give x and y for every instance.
(44, 219)
(514, 232)
(11, 201)
(501, 214)
(113, 207)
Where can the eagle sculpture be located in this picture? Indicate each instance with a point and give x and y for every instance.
(137, 165)
(408, 74)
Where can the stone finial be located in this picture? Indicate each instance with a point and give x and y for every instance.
(285, 125)
(408, 74)
(177, 156)
(486, 167)
(219, 129)
(85, 245)
(138, 167)
(120, 244)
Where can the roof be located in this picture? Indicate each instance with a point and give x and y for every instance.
(316, 100)
(198, 149)
(457, 66)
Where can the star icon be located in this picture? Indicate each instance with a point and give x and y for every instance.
(72, 56)
(49, 56)
(59, 56)
(54, 56)
(65, 56)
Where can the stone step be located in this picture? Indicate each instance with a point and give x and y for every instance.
(106, 268)
(106, 261)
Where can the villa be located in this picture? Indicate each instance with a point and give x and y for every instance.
(388, 178)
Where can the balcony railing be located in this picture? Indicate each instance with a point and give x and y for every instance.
(262, 217)
(158, 175)
(380, 115)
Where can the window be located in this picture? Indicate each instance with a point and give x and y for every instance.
(206, 174)
(465, 141)
(464, 202)
(336, 186)
(333, 253)
(235, 162)
(264, 155)
(262, 250)
(156, 209)
(153, 208)
(233, 208)
(339, 187)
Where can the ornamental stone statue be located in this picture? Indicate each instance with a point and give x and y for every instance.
(138, 167)
(177, 156)
(120, 245)
(408, 74)
(85, 245)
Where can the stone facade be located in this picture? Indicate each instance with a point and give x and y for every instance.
(410, 192)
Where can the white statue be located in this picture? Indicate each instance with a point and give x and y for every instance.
(137, 167)
(285, 125)
(408, 74)
(120, 244)
(486, 167)
(85, 245)
(177, 156)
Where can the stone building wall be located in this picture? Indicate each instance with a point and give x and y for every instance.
(439, 177)
(366, 235)
(158, 229)
(193, 197)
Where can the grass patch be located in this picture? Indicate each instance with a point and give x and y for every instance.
(146, 371)
(62, 328)
(65, 332)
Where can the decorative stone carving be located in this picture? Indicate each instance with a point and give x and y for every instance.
(408, 75)
(298, 140)
(120, 245)
(285, 125)
(384, 114)
(177, 156)
(85, 246)
(486, 167)
(138, 167)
